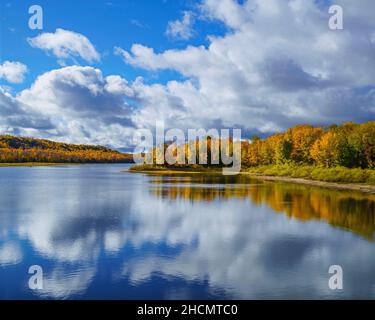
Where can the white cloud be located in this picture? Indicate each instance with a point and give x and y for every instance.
(229, 11)
(278, 65)
(118, 85)
(73, 104)
(65, 44)
(15, 116)
(10, 254)
(181, 29)
(13, 72)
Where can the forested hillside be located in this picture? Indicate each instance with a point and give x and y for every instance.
(17, 149)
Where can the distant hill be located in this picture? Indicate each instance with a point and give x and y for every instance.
(18, 149)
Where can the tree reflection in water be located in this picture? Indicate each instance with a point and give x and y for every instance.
(349, 210)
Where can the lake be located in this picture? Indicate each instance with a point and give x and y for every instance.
(99, 233)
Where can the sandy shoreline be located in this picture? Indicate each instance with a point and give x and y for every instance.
(366, 188)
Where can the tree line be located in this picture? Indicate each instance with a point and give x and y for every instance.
(17, 149)
(348, 145)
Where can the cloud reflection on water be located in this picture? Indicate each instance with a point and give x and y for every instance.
(221, 234)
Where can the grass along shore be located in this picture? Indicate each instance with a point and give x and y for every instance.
(334, 174)
(340, 178)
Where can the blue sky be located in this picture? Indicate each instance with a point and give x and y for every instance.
(101, 69)
(106, 24)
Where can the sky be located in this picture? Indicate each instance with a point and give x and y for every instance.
(101, 69)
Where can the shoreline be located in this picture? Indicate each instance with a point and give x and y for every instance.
(35, 164)
(365, 188)
(49, 164)
(360, 187)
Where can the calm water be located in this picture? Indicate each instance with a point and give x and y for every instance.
(100, 233)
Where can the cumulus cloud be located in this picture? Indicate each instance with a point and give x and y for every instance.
(65, 44)
(13, 72)
(118, 85)
(72, 104)
(229, 11)
(278, 65)
(181, 29)
(17, 118)
(10, 254)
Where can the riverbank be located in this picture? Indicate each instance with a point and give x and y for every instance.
(366, 188)
(334, 178)
(315, 173)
